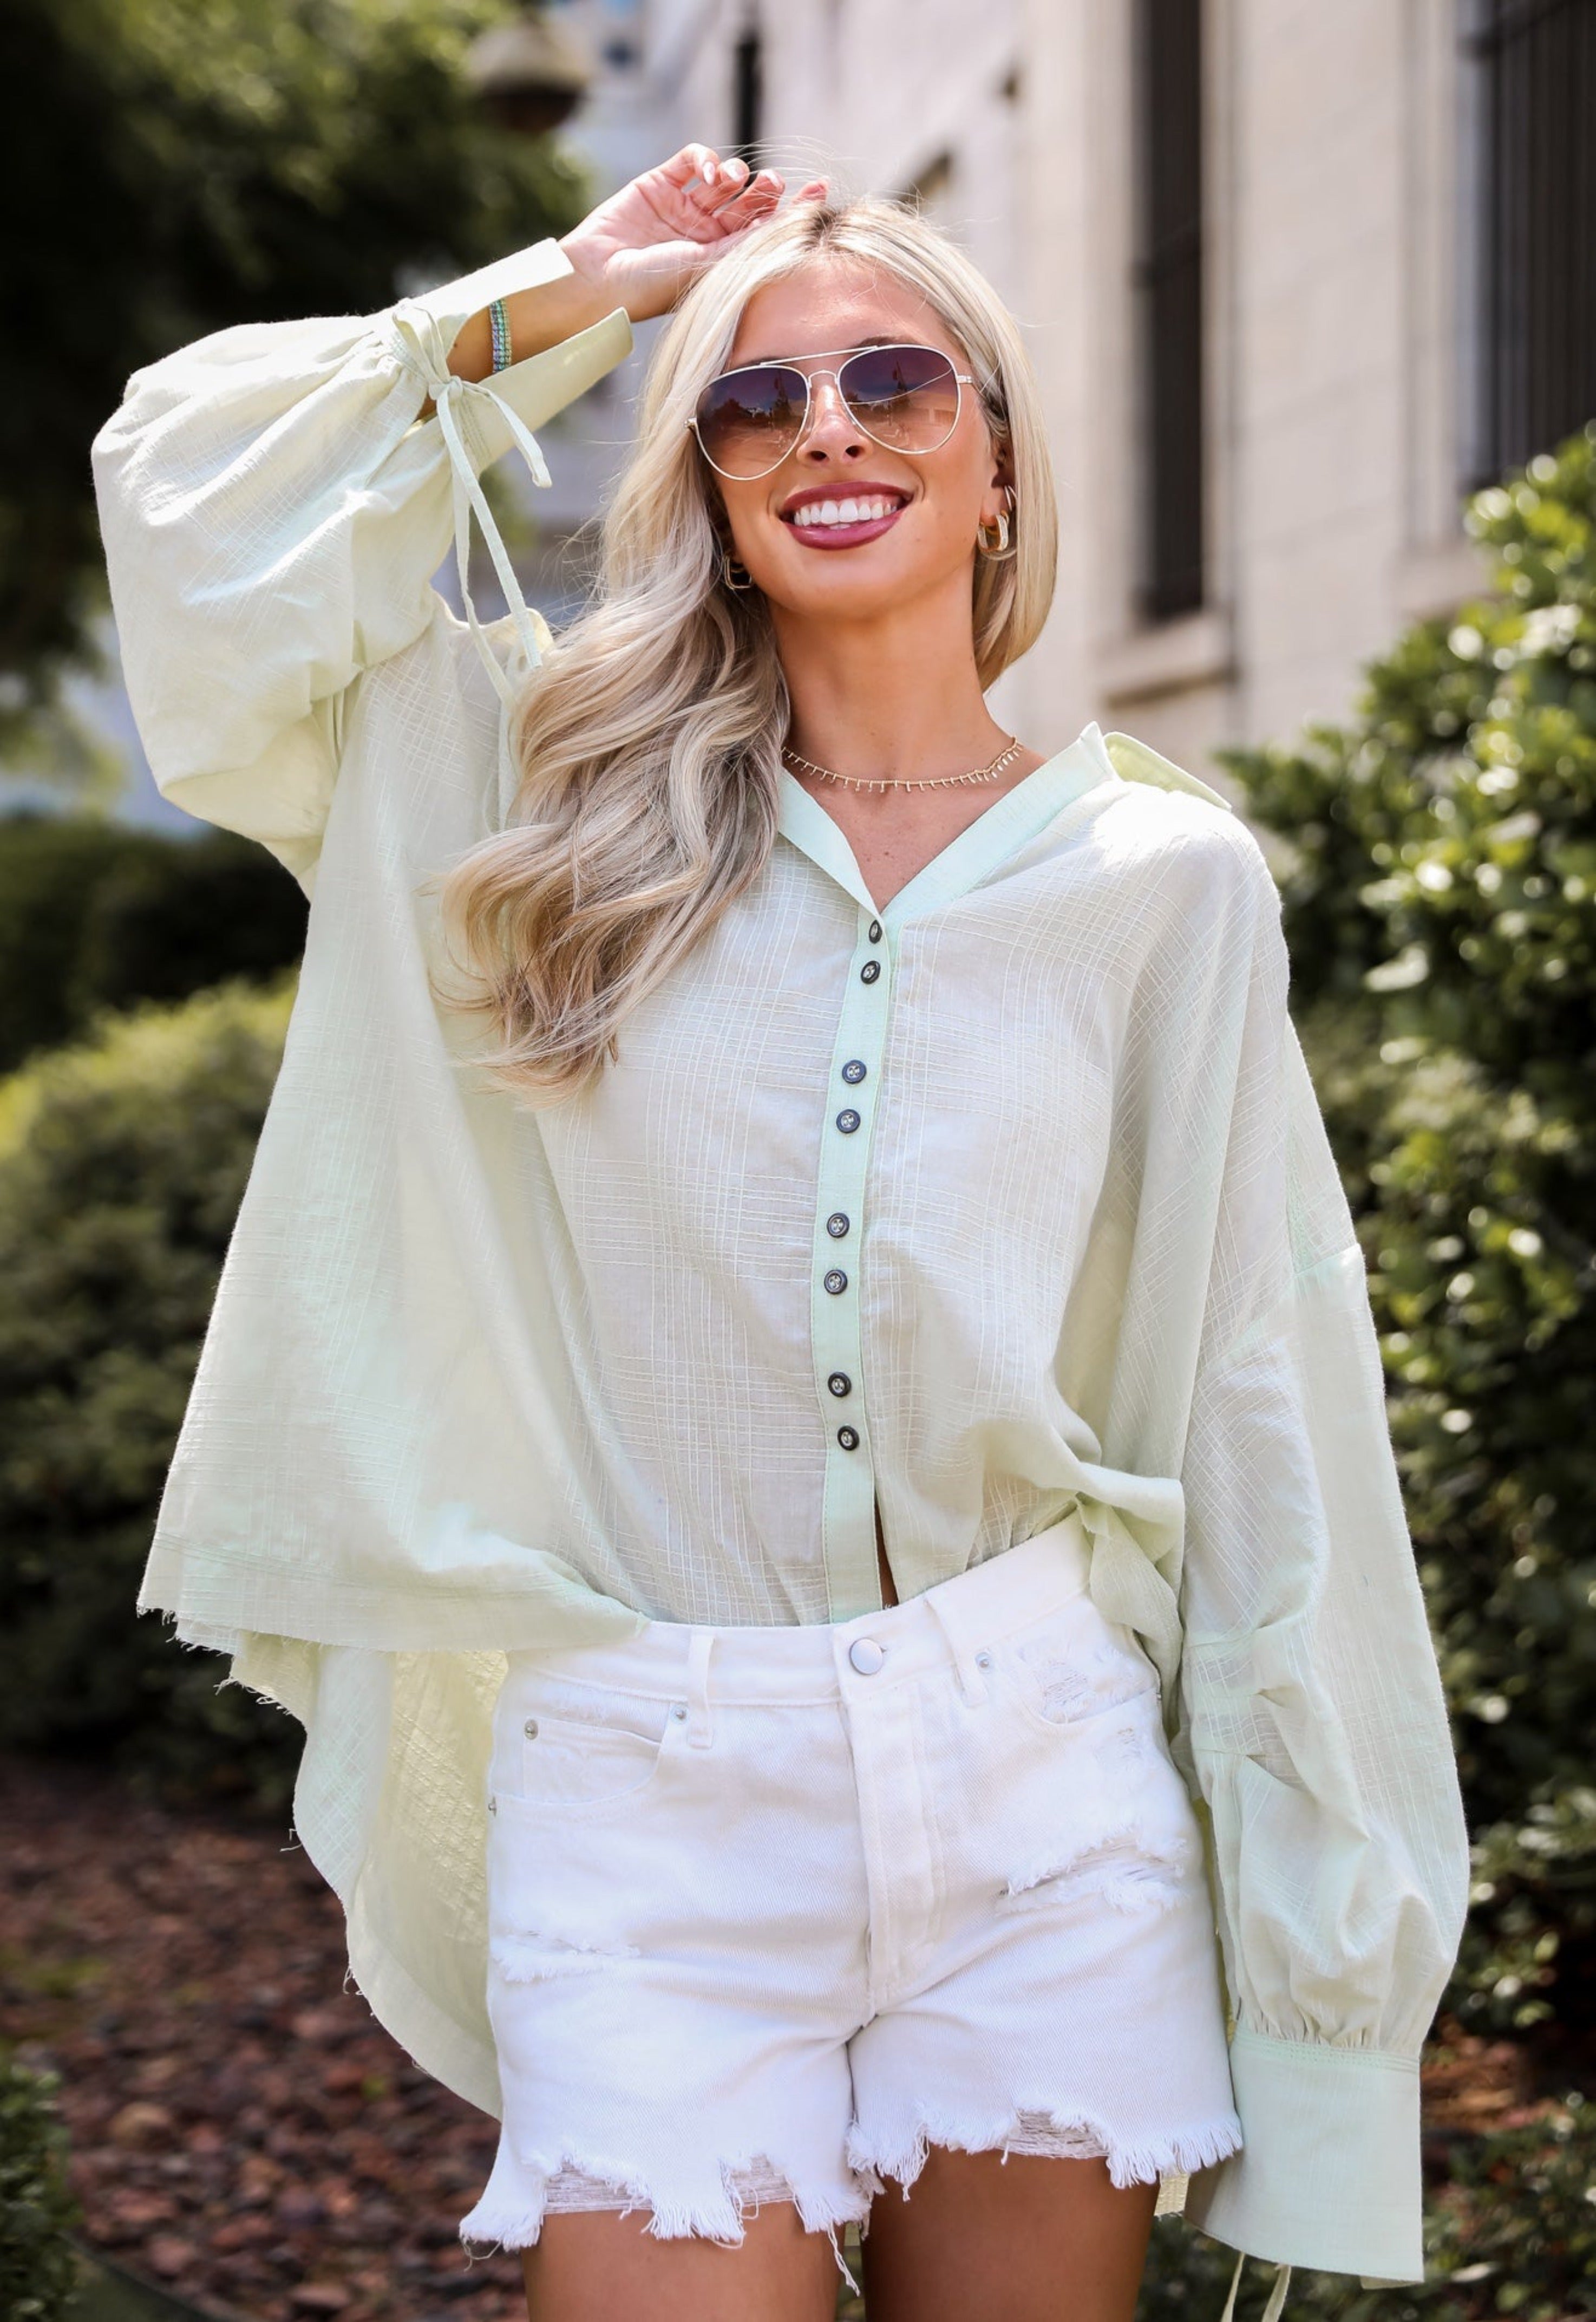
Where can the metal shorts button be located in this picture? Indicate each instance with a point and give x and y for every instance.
(866, 1655)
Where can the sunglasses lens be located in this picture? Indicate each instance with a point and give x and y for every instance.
(907, 397)
(749, 420)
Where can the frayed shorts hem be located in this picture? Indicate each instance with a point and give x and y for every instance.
(514, 2205)
(1061, 2135)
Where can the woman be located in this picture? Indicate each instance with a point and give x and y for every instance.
(793, 1404)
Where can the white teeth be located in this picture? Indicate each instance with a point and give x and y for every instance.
(846, 511)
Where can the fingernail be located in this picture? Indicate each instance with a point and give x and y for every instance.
(709, 173)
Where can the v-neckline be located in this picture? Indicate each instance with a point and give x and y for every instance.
(1018, 815)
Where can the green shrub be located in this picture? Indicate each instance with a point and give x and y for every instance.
(1509, 2229)
(1441, 915)
(122, 1163)
(38, 2264)
(93, 916)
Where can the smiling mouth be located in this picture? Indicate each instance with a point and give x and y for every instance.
(848, 521)
(847, 511)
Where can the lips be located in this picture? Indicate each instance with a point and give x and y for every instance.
(829, 519)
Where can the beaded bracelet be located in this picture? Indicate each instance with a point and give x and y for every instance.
(498, 322)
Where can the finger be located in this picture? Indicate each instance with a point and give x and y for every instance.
(728, 184)
(691, 161)
(759, 196)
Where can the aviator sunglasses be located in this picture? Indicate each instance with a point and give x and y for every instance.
(906, 398)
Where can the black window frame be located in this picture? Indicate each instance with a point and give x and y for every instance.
(1529, 126)
(1167, 276)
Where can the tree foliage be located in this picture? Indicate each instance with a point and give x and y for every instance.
(122, 1163)
(176, 165)
(1441, 915)
(96, 916)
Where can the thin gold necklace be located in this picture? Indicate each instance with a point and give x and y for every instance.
(932, 782)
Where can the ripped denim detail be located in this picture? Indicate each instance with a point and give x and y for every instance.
(1085, 1681)
(528, 1956)
(1127, 1867)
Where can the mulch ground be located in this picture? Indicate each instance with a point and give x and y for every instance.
(243, 2130)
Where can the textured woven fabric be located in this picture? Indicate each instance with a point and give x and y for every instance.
(482, 1378)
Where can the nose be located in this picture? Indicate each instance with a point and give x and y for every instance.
(830, 429)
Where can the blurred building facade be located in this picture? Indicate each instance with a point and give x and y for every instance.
(1294, 277)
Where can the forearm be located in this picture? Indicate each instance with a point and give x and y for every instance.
(539, 317)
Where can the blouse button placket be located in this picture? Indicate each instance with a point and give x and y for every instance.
(849, 1519)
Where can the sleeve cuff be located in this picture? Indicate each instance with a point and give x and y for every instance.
(536, 388)
(544, 384)
(451, 304)
(1328, 2176)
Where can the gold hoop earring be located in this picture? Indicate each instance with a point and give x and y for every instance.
(996, 551)
(730, 567)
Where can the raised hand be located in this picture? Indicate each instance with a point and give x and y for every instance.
(644, 245)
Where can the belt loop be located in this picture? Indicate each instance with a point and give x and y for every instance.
(972, 1684)
(700, 1727)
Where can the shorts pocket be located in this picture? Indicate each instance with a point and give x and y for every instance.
(562, 1748)
(1073, 1667)
(1099, 1814)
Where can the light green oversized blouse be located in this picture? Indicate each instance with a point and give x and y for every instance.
(481, 1377)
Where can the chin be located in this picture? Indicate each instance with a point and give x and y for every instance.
(844, 583)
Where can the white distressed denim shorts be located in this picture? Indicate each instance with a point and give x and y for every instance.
(770, 1910)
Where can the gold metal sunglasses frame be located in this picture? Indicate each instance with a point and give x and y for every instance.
(963, 379)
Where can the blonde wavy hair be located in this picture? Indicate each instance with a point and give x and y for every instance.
(650, 736)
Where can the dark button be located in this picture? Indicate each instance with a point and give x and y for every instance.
(869, 971)
(875, 931)
(840, 1383)
(853, 1070)
(848, 1437)
(836, 1225)
(836, 1280)
(848, 1121)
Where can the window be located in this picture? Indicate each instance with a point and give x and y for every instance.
(748, 97)
(930, 189)
(1530, 76)
(1167, 287)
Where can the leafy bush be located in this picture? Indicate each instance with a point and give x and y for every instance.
(122, 1163)
(1441, 914)
(96, 916)
(1509, 2229)
(38, 2264)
